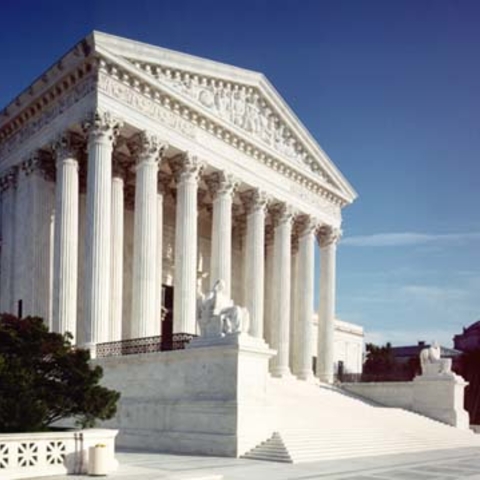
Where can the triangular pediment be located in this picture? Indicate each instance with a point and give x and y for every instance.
(240, 99)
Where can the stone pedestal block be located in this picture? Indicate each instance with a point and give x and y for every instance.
(441, 397)
(209, 399)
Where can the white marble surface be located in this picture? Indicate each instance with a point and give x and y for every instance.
(65, 257)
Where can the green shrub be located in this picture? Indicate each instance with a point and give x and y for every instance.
(44, 379)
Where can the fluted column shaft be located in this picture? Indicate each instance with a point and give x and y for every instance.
(305, 299)
(282, 294)
(116, 295)
(65, 256)
(187, 170)
(221, 187)
(101, 130)
(255, 204)
(268, 291)
(326, 313)
(8, 186)
(144, 299)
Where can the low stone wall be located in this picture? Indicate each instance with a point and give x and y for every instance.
(438, 396)
(26, 455)
(209, 399)
(390, 394)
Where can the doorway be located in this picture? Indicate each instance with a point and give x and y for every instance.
(167, 317)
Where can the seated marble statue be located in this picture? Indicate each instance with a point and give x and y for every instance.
(218, 316)
(432, 363)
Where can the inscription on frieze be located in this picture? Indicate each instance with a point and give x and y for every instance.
(149, 107)
(315, 199)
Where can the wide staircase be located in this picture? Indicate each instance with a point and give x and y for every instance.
(314, 422)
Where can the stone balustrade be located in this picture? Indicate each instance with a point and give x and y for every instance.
(25, 455)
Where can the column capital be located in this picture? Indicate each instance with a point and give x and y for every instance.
(9, 179)
(282, 214)
(101, 126)
(66, 146)
(221, 183)
(306, 225)
(186, 167)
(327, 235)
(147, 148)
(40, 162)
(254, 200)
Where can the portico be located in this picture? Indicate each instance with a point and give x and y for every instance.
(127, 167)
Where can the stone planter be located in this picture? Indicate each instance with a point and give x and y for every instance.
(25, 455)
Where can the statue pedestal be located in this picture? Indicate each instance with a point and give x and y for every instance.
(441, 396)
(236, 367)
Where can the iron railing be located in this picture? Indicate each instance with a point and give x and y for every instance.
(133, 346)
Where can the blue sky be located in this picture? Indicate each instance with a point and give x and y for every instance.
(389, 88)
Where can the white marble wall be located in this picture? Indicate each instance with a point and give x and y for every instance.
(348, 345)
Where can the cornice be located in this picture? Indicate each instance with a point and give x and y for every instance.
(43, 108)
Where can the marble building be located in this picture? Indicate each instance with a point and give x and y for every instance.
(132, 177)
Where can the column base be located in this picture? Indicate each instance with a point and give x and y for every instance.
(306, 376)
(326, 378)
(281, 372)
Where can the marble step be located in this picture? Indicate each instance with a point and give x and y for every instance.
(283, 450)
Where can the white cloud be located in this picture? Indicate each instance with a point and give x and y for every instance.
(435, 293)
(410, 239)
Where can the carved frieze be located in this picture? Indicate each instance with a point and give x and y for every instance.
(327, 205)
(127, 95)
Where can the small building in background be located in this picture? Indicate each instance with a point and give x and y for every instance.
(349, 346)
(409, 352)
(469, 339)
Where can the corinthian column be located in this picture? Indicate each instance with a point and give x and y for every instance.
(101, 130)
(65, 255)
(187, 170)
(327, 239)
(116, 285)
(282, 217)
(255, 203)
(148, 151)
(305, 294)
(222, 186)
